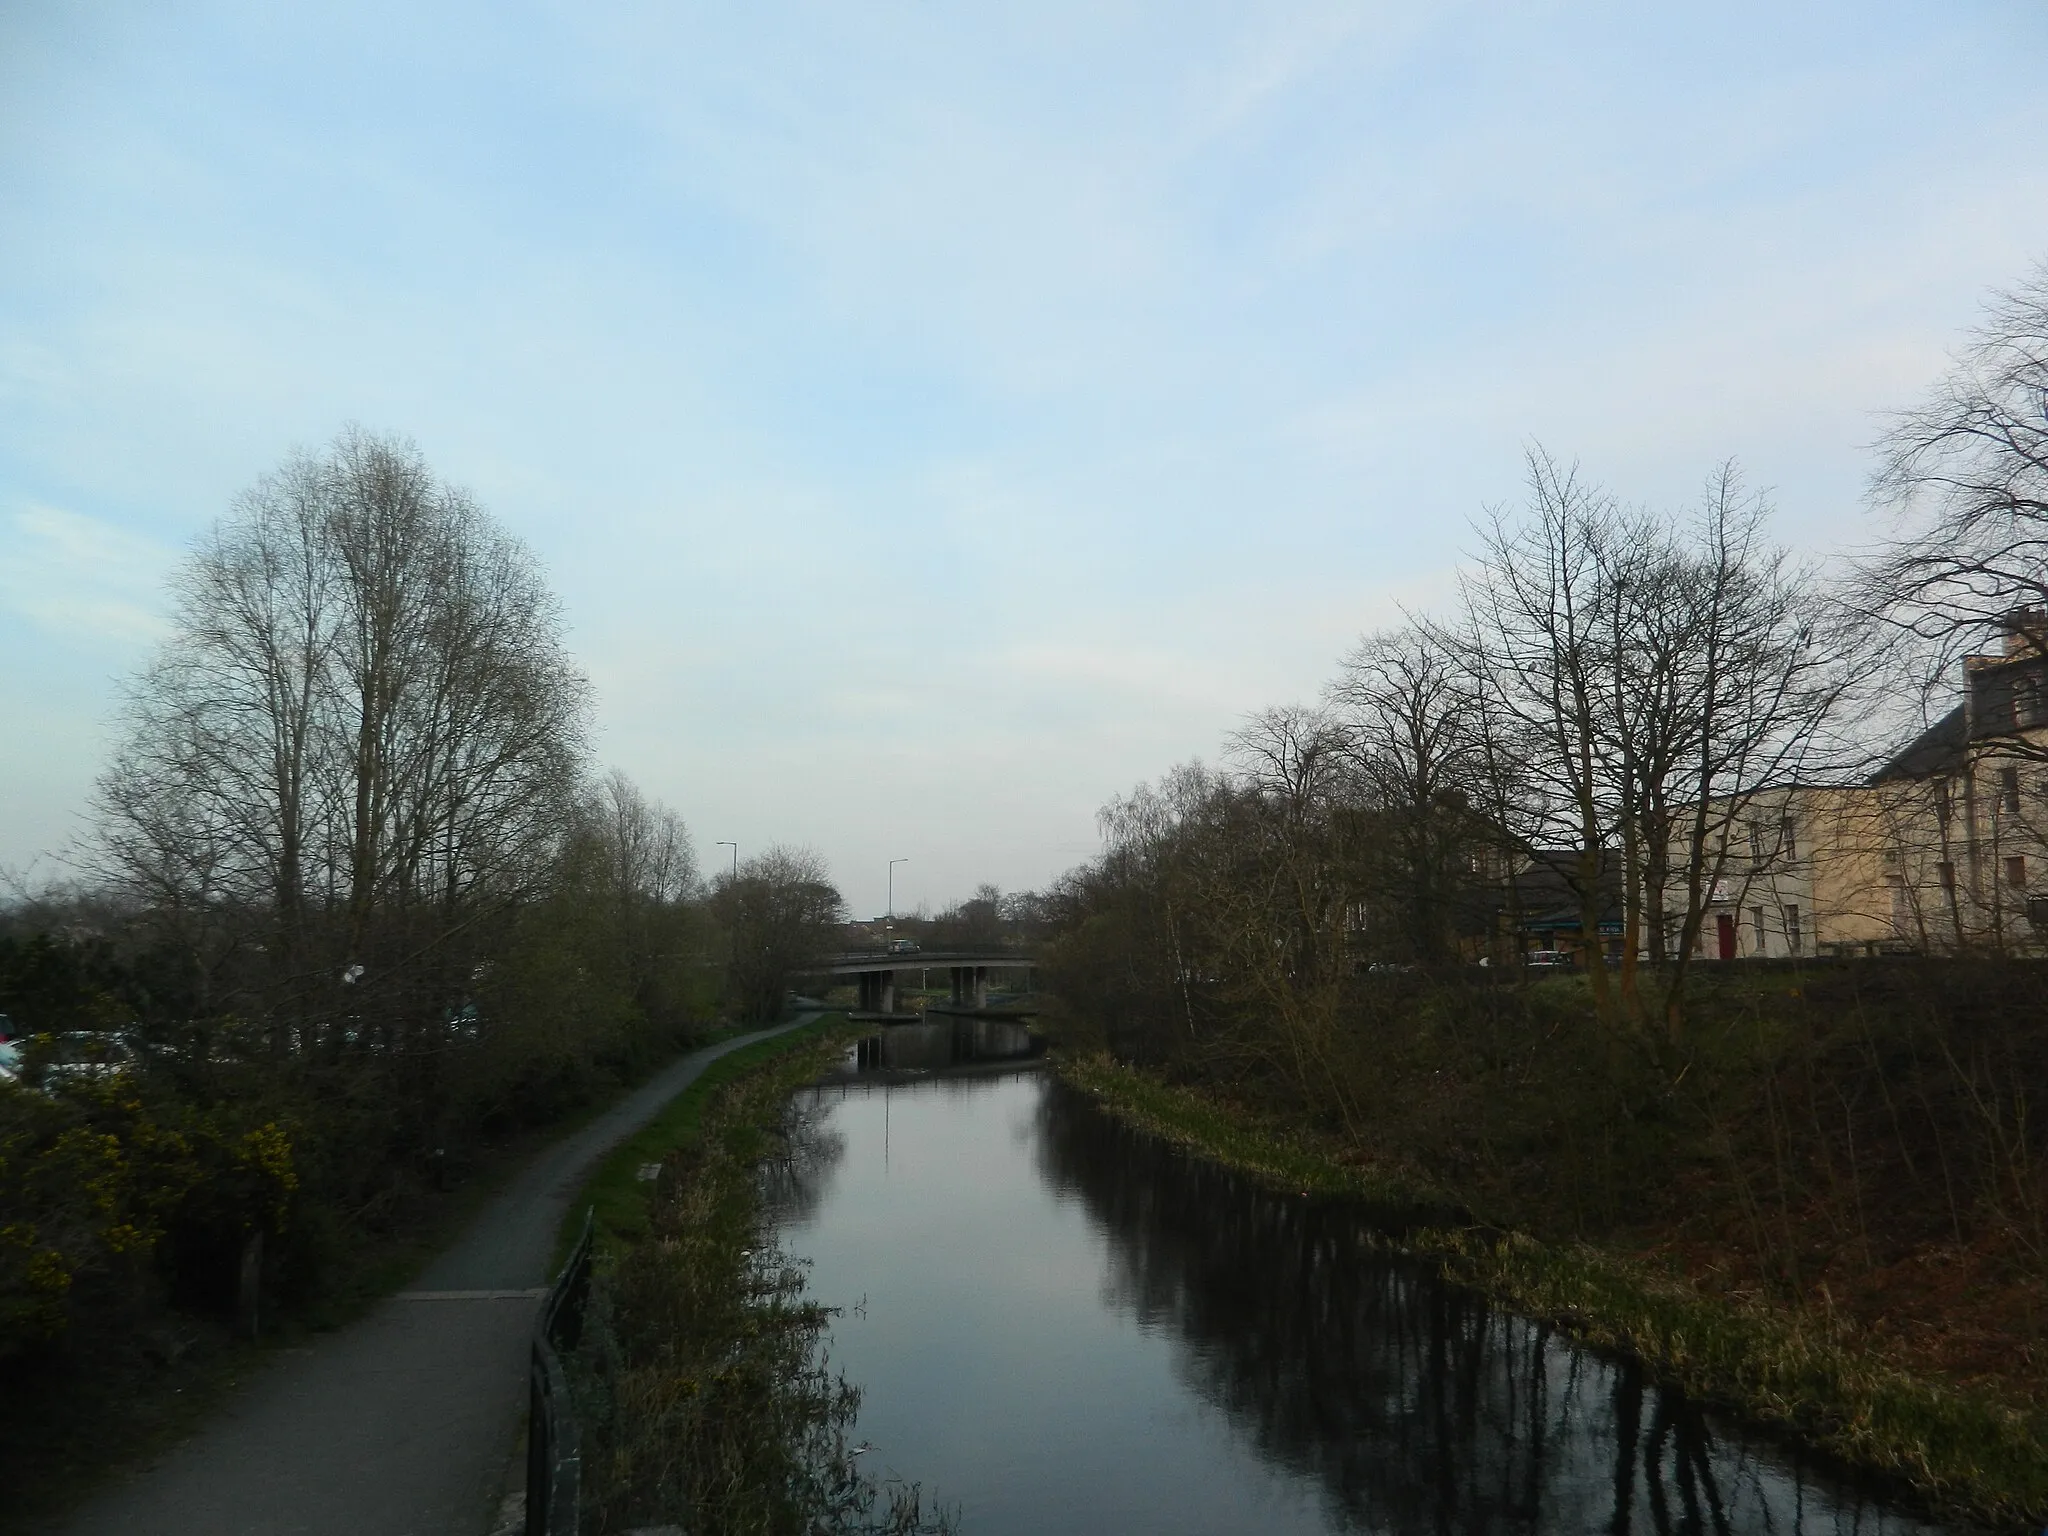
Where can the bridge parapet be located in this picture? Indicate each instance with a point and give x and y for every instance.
(854, 961)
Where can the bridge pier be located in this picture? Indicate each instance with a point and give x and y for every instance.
(877, 991)
(970, 986)
(874, 973)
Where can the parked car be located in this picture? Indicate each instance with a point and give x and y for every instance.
(1549, 960)
(74, 1055)
(10, 1061)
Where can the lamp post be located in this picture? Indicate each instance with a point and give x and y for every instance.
(889, 922)
(733, 888)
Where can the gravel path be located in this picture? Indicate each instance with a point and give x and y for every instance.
(404, 1423)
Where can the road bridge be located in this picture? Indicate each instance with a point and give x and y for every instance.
(875, 971)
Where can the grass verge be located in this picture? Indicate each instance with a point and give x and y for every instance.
(1966, 1455)
(707, 1398)
(621, 1198)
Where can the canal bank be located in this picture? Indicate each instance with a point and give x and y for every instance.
(702, 1387)
(1965, 1455)
(1060, 1321)
(402, 1421)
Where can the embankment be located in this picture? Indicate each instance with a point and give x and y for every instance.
(1971, 1452)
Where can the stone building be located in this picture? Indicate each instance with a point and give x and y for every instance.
(1961, 813)
(1945, 848)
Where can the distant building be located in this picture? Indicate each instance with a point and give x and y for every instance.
(1945, 848)
(1546, 908)
(1962, 811)
(1792, 871)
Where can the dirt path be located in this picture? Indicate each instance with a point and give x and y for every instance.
(404, 1423)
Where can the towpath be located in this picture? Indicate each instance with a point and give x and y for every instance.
(403, 1423)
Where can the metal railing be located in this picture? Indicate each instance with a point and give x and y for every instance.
(554, 1439)
(1001, 954)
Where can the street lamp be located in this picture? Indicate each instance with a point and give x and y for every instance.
(734, 893)
(890, 921)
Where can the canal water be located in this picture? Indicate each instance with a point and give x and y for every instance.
(1060, 1325)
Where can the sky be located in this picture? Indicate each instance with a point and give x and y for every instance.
(937, 418)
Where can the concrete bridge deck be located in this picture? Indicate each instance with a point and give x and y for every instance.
(876, 970)
(853, 962)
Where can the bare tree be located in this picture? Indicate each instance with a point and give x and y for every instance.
(647, 848)
(1157, 878)
(1761, 672)
(646, 886)
(362, 738)
(781, 912)
(1418, 755)
(1540, 648)
(1281, 890)
(979, 920)
(1967, 475)
(1655, 677)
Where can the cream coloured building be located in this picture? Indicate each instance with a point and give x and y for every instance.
(1793, 870)
(1944, 849)
(1962, 813)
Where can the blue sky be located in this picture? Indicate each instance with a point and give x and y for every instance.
(936, 418)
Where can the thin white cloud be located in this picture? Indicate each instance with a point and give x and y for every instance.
(83, 579)
(938, 418)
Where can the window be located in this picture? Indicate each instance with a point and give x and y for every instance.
(1788, 839)
(2009, 790)
(2016, 872)
(1947, 872)
(1756, 842)
(1756, 918)
(1902, 903)
(1792, 934)
(1943, 808)
(2026, 702)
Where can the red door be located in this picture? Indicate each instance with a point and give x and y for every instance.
(1724, 930)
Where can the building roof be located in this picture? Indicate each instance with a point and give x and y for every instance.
(1938, 749)
(1547, 888)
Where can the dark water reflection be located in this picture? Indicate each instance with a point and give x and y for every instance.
(1063, 1325)
(1417, 1405)
(940, 1041)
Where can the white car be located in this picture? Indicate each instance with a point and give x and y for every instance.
(80, 1054)
(10, 1060)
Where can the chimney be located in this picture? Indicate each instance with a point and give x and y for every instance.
(2026, 632)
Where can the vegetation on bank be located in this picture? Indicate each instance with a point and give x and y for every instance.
(1969, 1451)
(358, 917)
(710, 1403)
(621, 1199)
(1817, 1187)
(1814, 1186)
(159, 1210)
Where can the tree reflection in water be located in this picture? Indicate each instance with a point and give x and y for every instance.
(796, 1179)
(1415, 1405)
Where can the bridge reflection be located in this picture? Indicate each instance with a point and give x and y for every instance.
(956, 1040)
